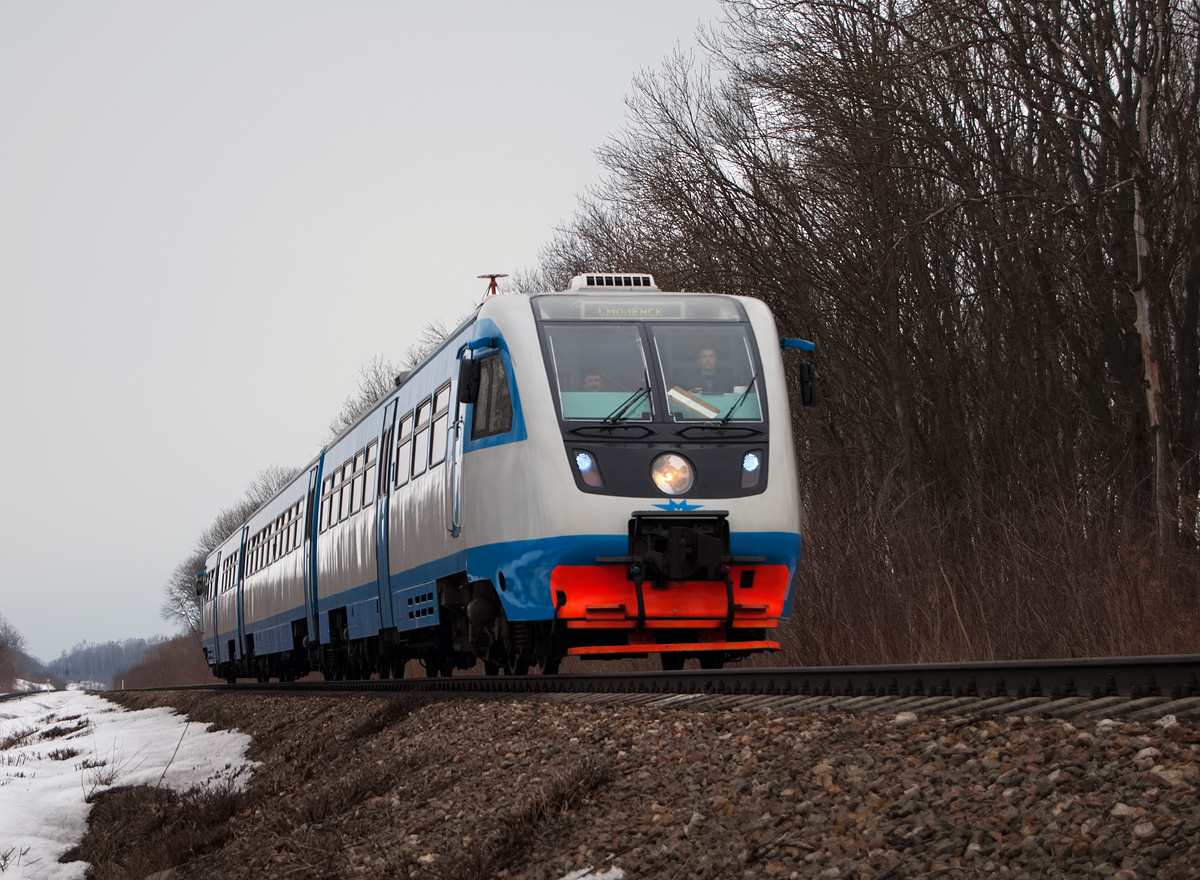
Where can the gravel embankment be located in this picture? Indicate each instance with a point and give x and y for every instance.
(537, 789)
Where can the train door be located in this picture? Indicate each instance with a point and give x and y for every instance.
(382, 497)
(310, 552)
(454, 463)
(238, 574)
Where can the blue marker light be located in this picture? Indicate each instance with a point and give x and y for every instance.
(589, 470)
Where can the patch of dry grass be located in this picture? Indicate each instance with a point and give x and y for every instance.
(135, 832)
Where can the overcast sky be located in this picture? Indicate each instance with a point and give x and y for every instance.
(212, 215)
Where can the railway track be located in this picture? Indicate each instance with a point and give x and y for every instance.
(1136, 688)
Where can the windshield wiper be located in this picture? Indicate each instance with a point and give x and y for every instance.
(738, 402)
(619, 413)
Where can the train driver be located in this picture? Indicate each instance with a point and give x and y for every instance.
(593, 380)
(707, 379)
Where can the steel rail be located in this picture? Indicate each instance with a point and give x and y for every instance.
(1176, 677)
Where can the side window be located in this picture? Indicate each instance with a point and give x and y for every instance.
(369, 483)
(421, 439)
(335, 499)
(229, 572)
(441, 421)
(326, 502)
(493, 411)
(360, 470)
(404, 450)
(347, 487)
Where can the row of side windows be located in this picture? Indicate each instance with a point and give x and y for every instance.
(350, 488)
(421, 438)
(281, 537)
(229, 572)
(420, 446)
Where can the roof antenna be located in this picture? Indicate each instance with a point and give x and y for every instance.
(493, 287)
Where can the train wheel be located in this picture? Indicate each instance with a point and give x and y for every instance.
(551, 664)
(490, 668)
(672, 662)
(712, 660)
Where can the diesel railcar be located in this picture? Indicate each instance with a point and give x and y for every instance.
(602, 472)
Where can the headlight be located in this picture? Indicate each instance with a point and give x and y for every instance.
(673, 474)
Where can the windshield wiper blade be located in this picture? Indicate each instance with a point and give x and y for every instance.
(738, 402)
(619, 413)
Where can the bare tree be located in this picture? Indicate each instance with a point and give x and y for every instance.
(12, 644)
(986, 214)
(181, 605)
(379, 376)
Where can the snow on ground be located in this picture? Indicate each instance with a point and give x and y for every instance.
(59, 748)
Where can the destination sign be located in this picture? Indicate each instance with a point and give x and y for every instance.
(636, 307)
(632, 311)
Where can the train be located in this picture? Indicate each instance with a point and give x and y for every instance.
(602, 472)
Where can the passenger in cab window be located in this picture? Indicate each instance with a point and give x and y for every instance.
(708, 379)
(593, 380)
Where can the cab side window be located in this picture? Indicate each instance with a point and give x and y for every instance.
(493, 410)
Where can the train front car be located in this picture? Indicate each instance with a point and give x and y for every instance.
(654, 508)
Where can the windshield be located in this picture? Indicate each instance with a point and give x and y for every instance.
(600, 371)
(707, 371)
(651, 357)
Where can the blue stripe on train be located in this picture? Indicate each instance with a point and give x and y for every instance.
(520, 571)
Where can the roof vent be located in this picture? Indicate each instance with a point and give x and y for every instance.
(611, 281)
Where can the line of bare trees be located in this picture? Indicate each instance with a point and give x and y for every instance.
(987, 215)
